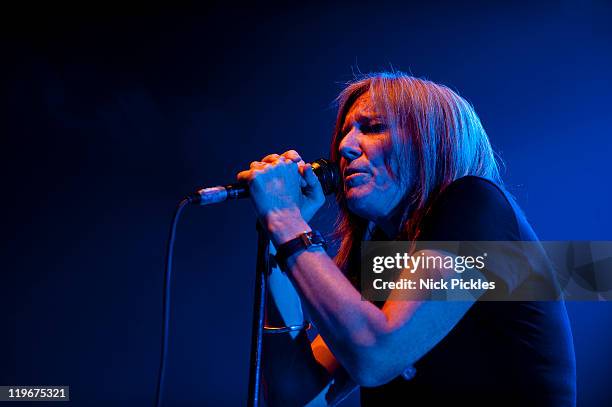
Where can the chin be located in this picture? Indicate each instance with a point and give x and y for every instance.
(360, 202)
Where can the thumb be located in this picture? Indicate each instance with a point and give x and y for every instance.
(312, 180)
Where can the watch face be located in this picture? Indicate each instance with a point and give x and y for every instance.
(312, 239)
(307, 238)
(302, 242)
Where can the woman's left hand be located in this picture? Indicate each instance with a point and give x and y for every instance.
(283, 182)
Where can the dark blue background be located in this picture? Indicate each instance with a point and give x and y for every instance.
(110, 120)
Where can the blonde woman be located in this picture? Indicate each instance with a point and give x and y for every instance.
(416, 164)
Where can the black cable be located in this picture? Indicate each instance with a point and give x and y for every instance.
(166, 301)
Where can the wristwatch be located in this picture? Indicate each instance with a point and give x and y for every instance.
(303, 242)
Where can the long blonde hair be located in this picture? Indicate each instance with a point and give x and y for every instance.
(436, 137)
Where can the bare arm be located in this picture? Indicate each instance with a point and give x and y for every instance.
(373, 345)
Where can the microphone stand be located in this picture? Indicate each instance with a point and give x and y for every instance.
(259, 303)
(328, 174)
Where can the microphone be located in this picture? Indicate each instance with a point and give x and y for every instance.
(326, 171)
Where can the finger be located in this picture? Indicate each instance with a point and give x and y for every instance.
(293, 156)
(311, 179)
(302, 168)
(243, 176)
(257, 164)
(270, 158)
(303, 183)
(282, 160)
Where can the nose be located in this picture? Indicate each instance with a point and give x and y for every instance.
(349, 146)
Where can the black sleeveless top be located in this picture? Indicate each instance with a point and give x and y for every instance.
(500, 353)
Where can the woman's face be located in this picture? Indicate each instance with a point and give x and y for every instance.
(368, 168)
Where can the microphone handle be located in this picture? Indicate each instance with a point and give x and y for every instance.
(212, 195)
(326, 172)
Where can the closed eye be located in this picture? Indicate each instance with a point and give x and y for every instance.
(373, 128)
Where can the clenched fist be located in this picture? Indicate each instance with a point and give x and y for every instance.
(283, 182)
